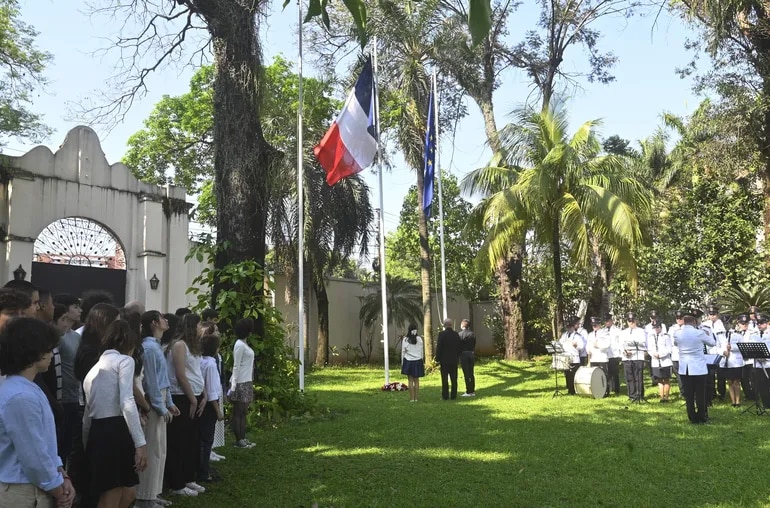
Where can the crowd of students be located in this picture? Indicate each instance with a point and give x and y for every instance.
(105, 407)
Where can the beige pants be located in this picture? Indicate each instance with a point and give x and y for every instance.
(23, 495)
(151, 479)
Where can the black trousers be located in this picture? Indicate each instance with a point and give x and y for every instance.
(711, 383)
(695, 397)
(634, 371)
(467, 361)
(613, 375)
(448, 373)
(747, 382)
(569, 376)
(208, 422)
(183, 445)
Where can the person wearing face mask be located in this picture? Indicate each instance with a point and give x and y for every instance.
(413, 360)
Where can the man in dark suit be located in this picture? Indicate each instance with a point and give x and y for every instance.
(448, 356)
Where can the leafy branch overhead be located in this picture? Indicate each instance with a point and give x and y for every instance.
(479, 16)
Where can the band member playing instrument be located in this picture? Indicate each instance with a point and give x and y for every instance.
(659, 348)
(692, 367)
(598, 346)
(731, 365)
(673, 331)
(572, 342)
(634, 344)
(751, 334)
(762, 366)
(578, 326)
(614, 355)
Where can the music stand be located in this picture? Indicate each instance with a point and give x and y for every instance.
(759, 351)
(553, 349)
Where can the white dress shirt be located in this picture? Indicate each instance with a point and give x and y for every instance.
(660, 344)
(572, 342)
(690, 341)
(109, 392)
(243, 364)
(598, 346)
(634, 341)
(735, 358)
(673, 331)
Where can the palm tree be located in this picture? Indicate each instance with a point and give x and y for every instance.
(404, 303)
(563, 190)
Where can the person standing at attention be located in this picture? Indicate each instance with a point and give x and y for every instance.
(448, 356)
(413, 360)
(692, 367)
(467, 358)
(241, 392)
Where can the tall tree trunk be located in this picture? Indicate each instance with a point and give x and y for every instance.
(557, 279)
(322, 351)
(242, 157)
(427, 320)
(508, 274)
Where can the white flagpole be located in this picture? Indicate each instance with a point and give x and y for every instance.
(300, 216)
(383, 285)
(440, 197)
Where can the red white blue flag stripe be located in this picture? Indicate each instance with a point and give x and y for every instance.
(350, 144)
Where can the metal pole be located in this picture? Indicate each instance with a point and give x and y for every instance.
(300, 215)
(383, 284)
(440, 197)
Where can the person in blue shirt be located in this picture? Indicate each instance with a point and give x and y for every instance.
(31, 472)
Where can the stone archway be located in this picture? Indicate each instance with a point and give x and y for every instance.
(77, 254)
(150, 221)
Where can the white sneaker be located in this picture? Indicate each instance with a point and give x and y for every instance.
(213, 457)
(218, 456)
(467, 395)
(162, 502)
(197, 488)
(185, 492)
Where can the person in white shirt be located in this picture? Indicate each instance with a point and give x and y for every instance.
(673, 331)
(731, 364)
(762, 366)
(573, 343)
(241, 392)
(634, 342)
(598, 345)
(659, 347)
(715, 385)
(614, 355)
(692, 367)
(213, 412)
(114, 441)
(413, 360)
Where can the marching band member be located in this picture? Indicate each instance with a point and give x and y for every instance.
(716, 327)
(634, 344)
(753, 319)
(672, 332)
(750, 334)
(659, 348)
(614, 355)
(578, 325)
(731, 365)
(761, 365)
(692, 367)
(598, 346)
(649, 330)
(572, 342)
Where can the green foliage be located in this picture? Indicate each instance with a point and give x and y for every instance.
(402, 247)
(243, 295)
(404, 303)
(737, 299)
(21, 72)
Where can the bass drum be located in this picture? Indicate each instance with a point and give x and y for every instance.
(591, 382)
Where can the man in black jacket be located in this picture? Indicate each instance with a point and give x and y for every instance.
(467, 348)
(448, 356)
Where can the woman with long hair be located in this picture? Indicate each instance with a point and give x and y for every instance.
(241, 392)
(100, 317)
(114, 441)
(210, 328)
(413, 360)
(184, 372)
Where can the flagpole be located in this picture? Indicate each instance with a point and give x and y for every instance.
(383, 285)
(300, 214)
(440, 194)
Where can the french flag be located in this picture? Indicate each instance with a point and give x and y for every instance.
(350, 144)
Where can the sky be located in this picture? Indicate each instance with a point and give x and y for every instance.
(646, 84)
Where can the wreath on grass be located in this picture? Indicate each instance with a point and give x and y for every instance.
(395, 387)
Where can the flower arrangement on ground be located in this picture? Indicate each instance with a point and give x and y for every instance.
(395, 387)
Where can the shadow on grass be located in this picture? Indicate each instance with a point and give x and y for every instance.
(498, 449)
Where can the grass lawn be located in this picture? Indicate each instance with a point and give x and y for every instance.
(512, 445)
